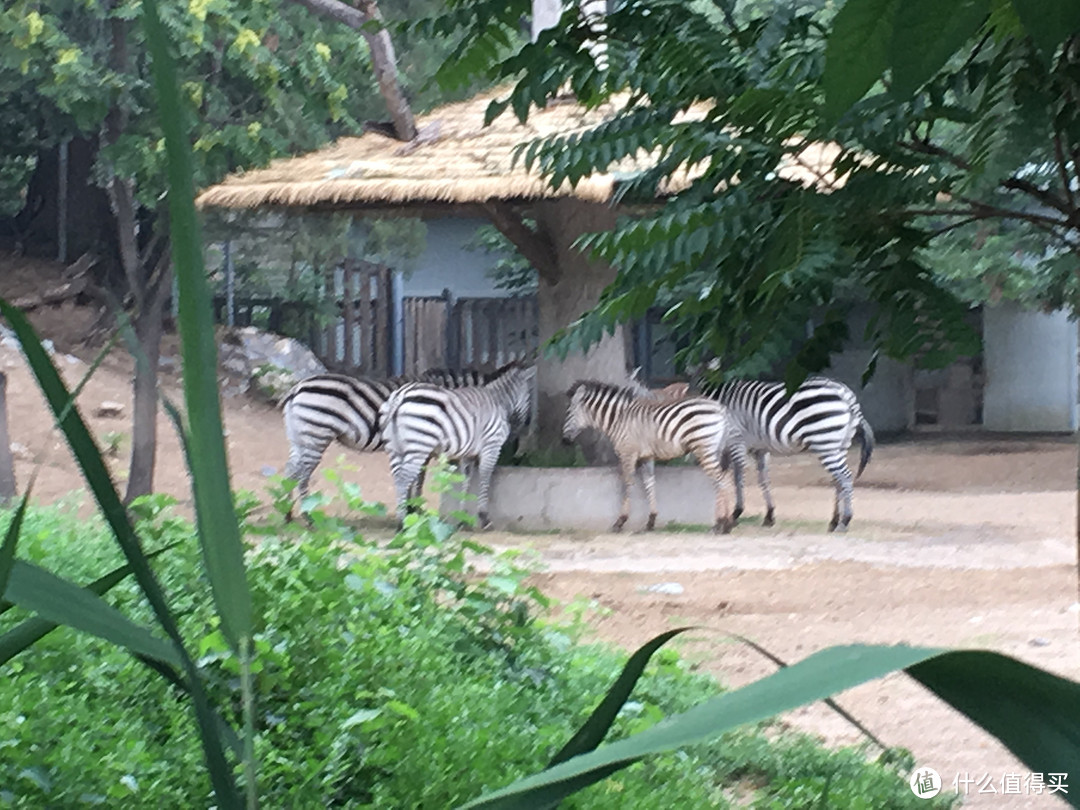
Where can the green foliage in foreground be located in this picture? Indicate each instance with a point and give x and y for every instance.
(401, 679)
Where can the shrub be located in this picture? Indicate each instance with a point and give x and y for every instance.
(393, 674)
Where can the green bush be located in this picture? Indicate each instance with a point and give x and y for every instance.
(388, 675)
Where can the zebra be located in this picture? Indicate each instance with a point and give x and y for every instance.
(822, 416)
(328, 407)
(644, 428)
(420, 421)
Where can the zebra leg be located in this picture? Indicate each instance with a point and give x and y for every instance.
(485, 467)
(715, 467)
(647, 468)
(406, 470)
(416, 490)
(301, 464)
(734, 457)
(762, 459)
(842, 480)
(627, 466)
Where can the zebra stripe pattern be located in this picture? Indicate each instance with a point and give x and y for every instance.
(822, 416)
(329, 407)
(421, 421)
(645, 427)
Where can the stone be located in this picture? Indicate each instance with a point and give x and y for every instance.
(669, 588)
(109, 410)
(265, 364)
(21, 451)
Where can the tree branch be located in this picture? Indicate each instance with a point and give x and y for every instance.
(1041, 194)
(336, 11)
(1066, 184)
(530, 244)
(1013, 183)
(382, 56)
(985, 210)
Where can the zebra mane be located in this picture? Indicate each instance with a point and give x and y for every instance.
(597, 387)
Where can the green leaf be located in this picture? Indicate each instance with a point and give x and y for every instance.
(819, 676)
(925, 34)
(58, 600)
(494, 110)
(29, 632)
(215, 517)
(11, 540)
(596, 727)
(855, 54)
(1049, 22)
(1036, 714)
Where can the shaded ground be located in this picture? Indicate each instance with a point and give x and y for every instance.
(957, 541)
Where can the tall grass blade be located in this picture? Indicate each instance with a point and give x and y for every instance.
(216, 519)
(58, 600)
(1035, 714)
(97, 478)
(832, 704)
(11, 541)
(219, 531)
(26, 634)
(592, 733)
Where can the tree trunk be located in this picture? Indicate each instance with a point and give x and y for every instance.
(562, 300)
(89, 220)
(383, 59)
(149, 325)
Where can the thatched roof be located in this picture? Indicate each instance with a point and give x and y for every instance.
(455, 159)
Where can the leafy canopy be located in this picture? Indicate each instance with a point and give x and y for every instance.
(261, 79)
(935, 115)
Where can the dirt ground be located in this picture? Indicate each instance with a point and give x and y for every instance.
(957, 541)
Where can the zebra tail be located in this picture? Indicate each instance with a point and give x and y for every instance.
(866, 438)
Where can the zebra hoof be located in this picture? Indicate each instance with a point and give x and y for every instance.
(723, 527)
(617, 526)
(770, 519)
(483, 522)
(651, 523)
(736, 514)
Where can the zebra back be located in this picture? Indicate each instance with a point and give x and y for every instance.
(457, 418)
(820, 412)
(641, 421)
(328, 407)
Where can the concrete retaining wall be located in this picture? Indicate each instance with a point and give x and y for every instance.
(587, 498)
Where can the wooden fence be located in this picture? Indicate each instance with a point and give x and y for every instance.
(359, 340)
(435, 332)
(476, 333)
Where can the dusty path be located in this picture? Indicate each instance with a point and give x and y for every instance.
(956, 543)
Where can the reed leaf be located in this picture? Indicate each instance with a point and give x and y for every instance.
(1034, 713)
(218, 529)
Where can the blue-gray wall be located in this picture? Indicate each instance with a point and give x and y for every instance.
(446, 263)
(1031, 370)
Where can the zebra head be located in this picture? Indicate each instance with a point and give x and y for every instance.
(514, 388)
(592, 405)
(577, 416)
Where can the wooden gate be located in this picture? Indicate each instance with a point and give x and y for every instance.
(473, 333)
(358, 337)
(424, 335)
(486, 333)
